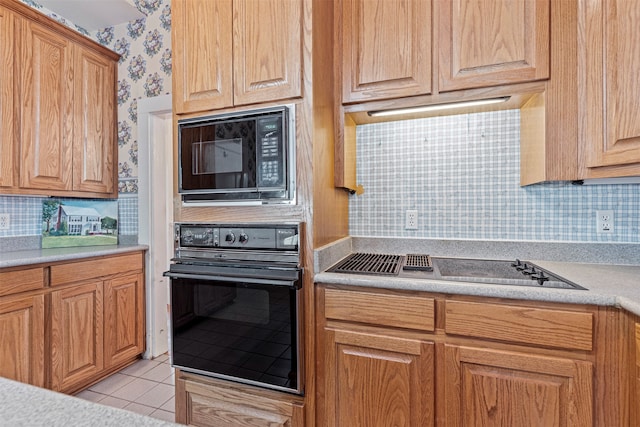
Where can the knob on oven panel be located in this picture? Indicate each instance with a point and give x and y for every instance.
(254, 238)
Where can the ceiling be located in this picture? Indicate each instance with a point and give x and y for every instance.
(93, 15)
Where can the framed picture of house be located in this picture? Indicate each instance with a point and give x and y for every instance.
(70, 222)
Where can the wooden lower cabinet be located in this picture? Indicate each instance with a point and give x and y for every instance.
(22, 339)
(465, 361)
(207, 402)
(375, 379)
(123, 315)
(76, 335)
(67, 325)
(485, 387)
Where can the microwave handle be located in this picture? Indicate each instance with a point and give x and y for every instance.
(195, 156)
(289, 284)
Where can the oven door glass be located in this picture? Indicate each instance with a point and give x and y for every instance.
(236, 330)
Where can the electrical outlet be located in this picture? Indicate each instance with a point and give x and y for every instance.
(5, 221)
(604, 221)
(411, 219)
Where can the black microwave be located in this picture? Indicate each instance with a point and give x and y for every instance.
(240, 157)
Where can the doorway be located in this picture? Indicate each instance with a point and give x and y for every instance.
(155, 214)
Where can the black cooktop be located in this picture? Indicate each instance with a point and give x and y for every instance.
(416, 266)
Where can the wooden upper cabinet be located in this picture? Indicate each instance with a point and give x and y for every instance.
(57, 108)
(8, 144)
(46, 125)
(94, 118)
(612, 54)
(267, 50)
(489, 43)
(202, 55)
(385, 48)
(235, 52)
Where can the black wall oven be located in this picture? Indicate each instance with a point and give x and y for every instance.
(236, 298)
(240, 157)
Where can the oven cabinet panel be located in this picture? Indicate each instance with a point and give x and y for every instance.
(22, 338)
(494, 387)
(265, 38)
(77, 341)
(205, 401)
(123, 315)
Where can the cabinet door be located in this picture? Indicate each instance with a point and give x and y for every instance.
(489, 43)
(612, 49)
(386, 48)
(22, 338)
(46, 125)
(123, 318)
(373, 379)
(494, 387)
(267, 50)
(76, 335)
(202, 55)
(7, 74)
(95, 117)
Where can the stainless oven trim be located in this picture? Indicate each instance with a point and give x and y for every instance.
(289, 160)
(285, 283)
(299, 390)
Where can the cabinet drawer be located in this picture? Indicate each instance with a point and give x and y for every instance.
(520, 324)
(16, 281)
(96, 267)
(402, 311)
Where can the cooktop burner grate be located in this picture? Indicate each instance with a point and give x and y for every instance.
(364, 263)
(418, 262)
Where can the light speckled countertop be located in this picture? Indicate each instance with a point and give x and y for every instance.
(606, 284)
(38, 256)
(24, 405)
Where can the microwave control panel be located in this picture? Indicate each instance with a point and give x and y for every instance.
(270, 152)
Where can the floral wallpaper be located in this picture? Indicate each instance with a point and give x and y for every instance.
(144, 71)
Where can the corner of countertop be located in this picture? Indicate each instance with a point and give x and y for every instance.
(40, 256)
(327, 255)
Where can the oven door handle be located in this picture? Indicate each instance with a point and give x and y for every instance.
(287, 283)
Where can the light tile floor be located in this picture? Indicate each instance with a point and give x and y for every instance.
(146, 387)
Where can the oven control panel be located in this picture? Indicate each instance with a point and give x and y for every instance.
(279, 237)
